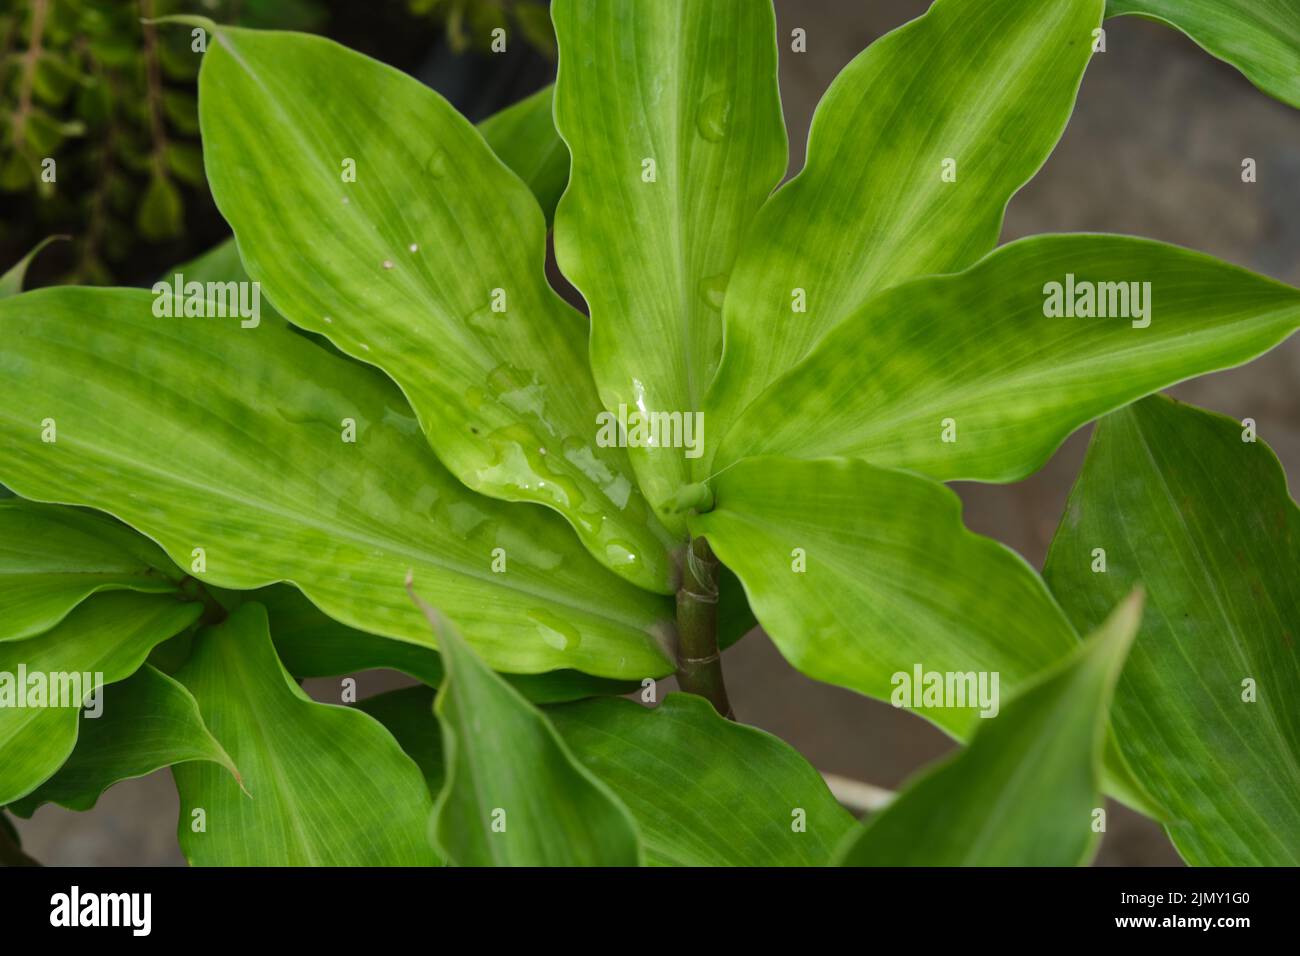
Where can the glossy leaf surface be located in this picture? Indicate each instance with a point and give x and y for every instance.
(706, 791)
(150, 721)
(1175, 500)
(270, 491)
(967, 376)
(52, 558)
(413, 247)
(671, 111)
(1026, 792)
(322, 785)
(913, 154)
(105, 639)
(514, 794)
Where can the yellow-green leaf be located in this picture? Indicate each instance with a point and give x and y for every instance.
(411, 246)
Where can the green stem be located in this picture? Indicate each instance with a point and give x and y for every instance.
(699, 662)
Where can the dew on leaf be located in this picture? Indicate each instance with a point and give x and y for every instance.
(713, 289)
(554, 630)
(714, 117)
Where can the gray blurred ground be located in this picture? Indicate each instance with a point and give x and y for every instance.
(1155, 149)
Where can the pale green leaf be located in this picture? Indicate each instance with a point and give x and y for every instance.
(705, 791)
(52, 558)
(1261, 38)
(109, 635)
(859, 574)
(429, 265)
(514, 794)
(323, 785)
(1177, 501)
(988, 87)
(150, 721)
(205, 435)
(965, 376)
(1026, 790)
(690, 88)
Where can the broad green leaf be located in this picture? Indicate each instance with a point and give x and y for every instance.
(11, 283)
(1172, 497)
(691, 89)
(150, 722)
(312, 644)
(428, 263)
(408, 715)
(325, 785)
(514, 794)
(1261, 38)
(52, 558)
(524, 138)
(860, 574)
(705, 791)
(270, 492)
(1026, 790)
(964, 376)
(522, 135)
(989, 88)
(104, 640)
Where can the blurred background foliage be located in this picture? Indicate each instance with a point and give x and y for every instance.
(99, 136)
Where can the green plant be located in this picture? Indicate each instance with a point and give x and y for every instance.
(352, 479)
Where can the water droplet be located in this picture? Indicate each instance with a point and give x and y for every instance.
(388, 263)
(437, 164)
(365, 347)
(518, 390)
(413, 247)
(714, 117)
(345, 200)
(619, 554)
(555, 631)
(328, 320)
(713, 290)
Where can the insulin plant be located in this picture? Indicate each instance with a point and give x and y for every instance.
(369, 433)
